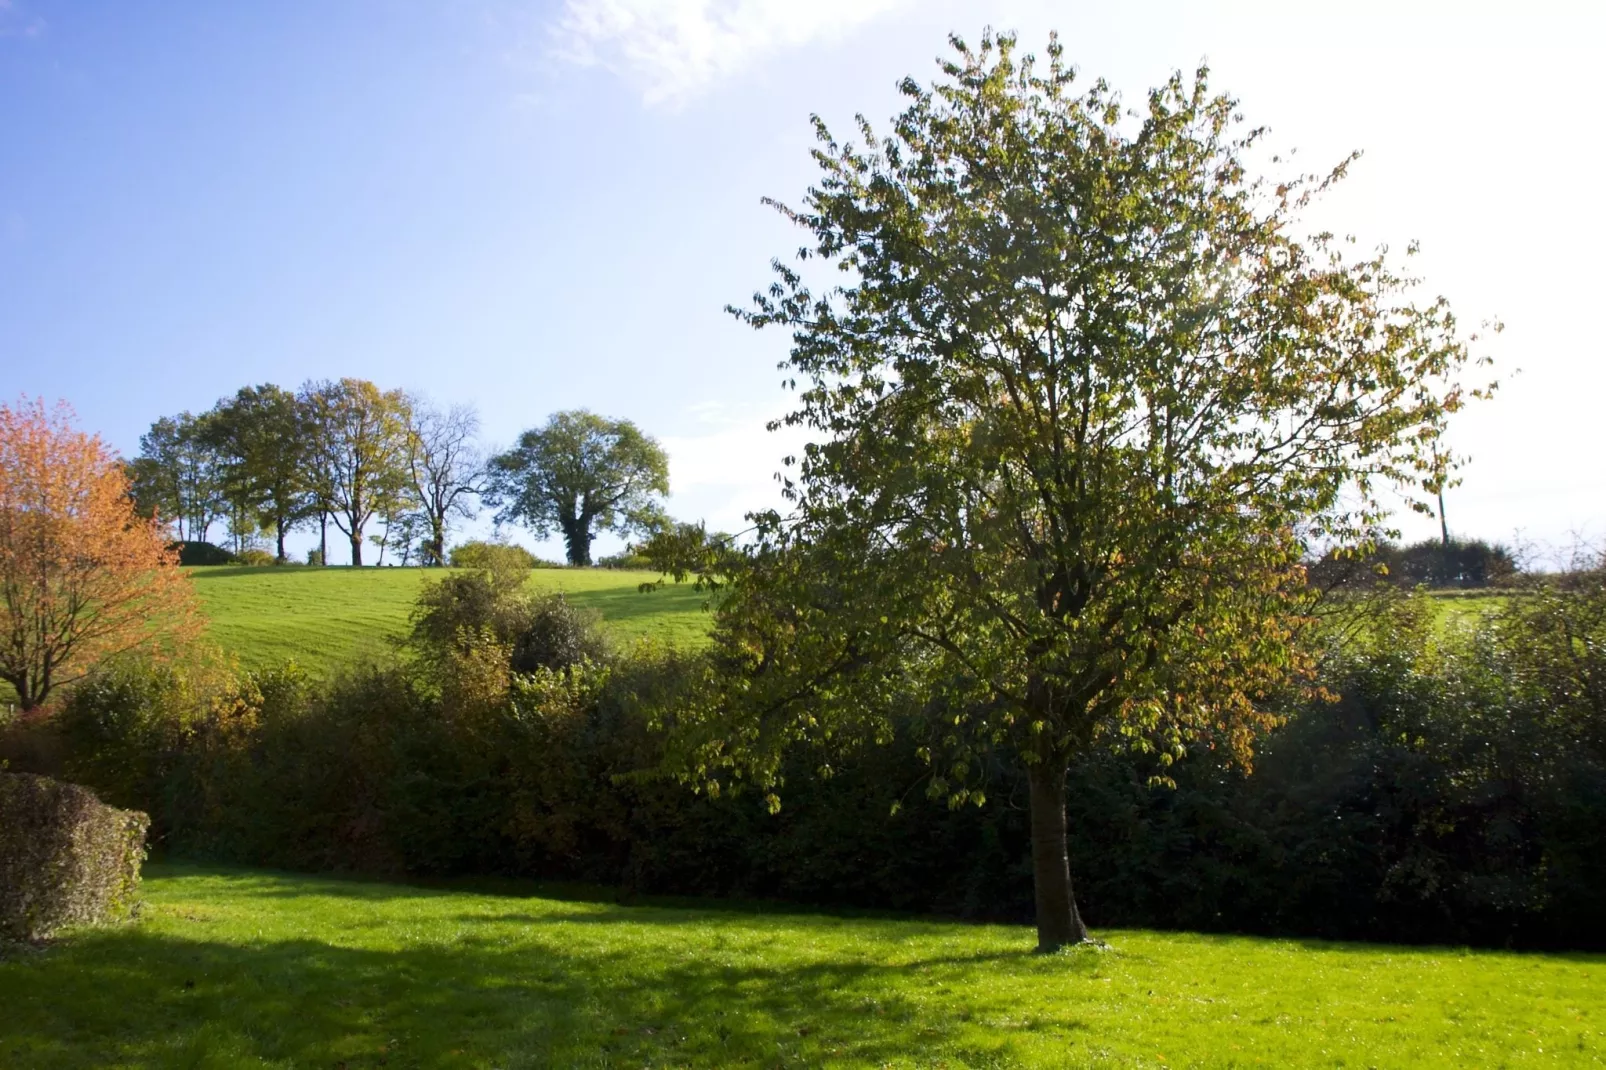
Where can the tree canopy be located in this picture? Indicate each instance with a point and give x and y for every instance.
(265, 438)
(82, 578)
(580, 474)
(178, 476)
(361, 437)
(1082, 399)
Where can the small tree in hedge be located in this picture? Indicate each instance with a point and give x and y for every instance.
(1078, 398)
(82, 576)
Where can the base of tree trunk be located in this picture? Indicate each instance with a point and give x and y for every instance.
(1059, 924)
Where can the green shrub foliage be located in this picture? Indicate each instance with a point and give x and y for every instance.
(66, 858)
(1455, 791)
(495, 555)
(202, 553)
(1461, 563)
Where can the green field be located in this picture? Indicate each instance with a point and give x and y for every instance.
(325, 618)
(239, 968)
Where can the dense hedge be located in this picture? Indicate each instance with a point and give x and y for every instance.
(202, 553)
(1455, 791)
(478, 553)
(65, 857)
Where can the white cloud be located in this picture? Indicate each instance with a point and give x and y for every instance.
(721, 474)
(674, 49)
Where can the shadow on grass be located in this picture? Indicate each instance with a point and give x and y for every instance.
(629, 603)
(500, 996)
(286, 885)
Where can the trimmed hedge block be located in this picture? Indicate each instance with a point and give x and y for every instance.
(66, 858)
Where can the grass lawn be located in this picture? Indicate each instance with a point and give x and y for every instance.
(324, 618)
(242, 968)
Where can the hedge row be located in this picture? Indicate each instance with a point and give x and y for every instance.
(65, 857)
(1456, 792)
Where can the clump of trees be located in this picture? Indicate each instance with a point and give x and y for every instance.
(1466, 563)
(347, 452)
(82, 578)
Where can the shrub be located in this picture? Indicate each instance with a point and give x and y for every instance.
(628, 559)
(255, 557)
(557, 635)
(456, 615)
(66, 858)
(463, 605)
(315, 557)
(202, 553)
(495, 555)
(1456, 792)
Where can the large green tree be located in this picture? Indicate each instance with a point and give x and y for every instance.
(1081, 400)
(580, 474)
(360, 438)
(178, 475)
(265, 437)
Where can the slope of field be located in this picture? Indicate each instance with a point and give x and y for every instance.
(324, 618)
(236, 968)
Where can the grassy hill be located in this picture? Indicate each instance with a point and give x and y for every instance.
(327, 617)
(234, 968)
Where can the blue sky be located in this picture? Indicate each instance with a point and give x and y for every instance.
(532, 207)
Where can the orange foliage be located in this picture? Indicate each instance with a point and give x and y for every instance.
(82, 577)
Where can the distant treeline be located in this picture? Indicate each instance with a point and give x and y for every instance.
(1432, 562)
(268, 461)
(271, 460)
(1454, 788)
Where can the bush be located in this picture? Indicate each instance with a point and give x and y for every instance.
(456, 615)
(1456, 791)
(201, 553)
(496, 555)
(557, 635)
(629, 560)
(65, 857)
(315, 557)
(255, 557)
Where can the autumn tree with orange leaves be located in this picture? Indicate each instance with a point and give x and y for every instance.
(82, 577)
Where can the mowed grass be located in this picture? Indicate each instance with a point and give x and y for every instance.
(240, 968)
(326, 619)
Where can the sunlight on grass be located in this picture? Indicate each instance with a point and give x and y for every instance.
(326, 619)
(236, 967)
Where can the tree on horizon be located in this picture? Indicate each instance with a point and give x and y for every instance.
(580, 474)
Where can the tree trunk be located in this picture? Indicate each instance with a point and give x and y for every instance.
(279, 524)
(323, 538)
(577, 536)
(433, 553)
(1058, 922)
(356, 550)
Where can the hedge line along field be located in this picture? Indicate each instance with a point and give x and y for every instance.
(328, 618)
(238, 967)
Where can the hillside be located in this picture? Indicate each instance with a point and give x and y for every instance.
(325, 618)
(239, 967)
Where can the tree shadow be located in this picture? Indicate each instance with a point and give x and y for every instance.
(136, 996)
(246, 882)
